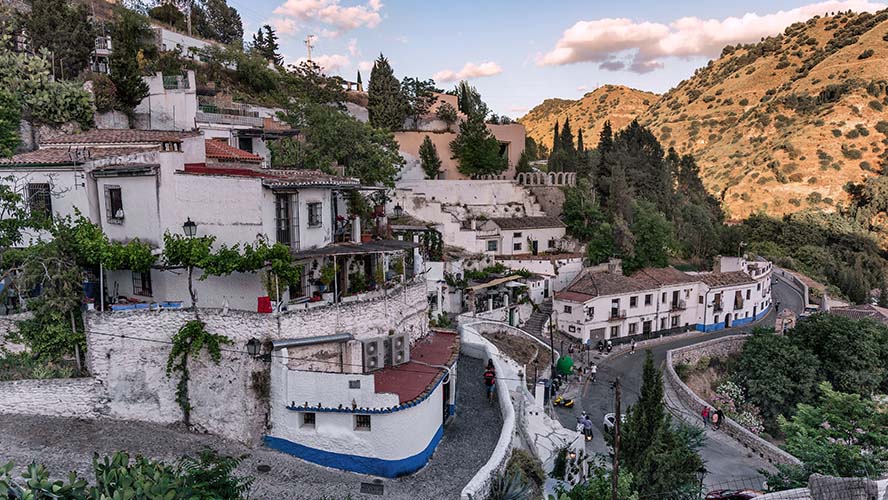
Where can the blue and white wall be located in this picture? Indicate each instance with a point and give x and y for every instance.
(400, 441)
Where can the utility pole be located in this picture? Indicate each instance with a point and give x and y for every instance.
(309, 44)
(552, 345)
(615, 475)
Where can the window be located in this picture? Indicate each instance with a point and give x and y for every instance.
(568, 309)
(516, 246)
(716, 318)
(590, 313)
(362, 422)
(674, 321)
(572, 329)
(40, 199)
(308, 419)
(662, 323)
(516, 235)
(142, 284)
(491, 245)
(747, 294)
(633, 328)
(663, 300)
(354, 384)
(114, 204)
(615, 331)
(758, 286)
(551, 243)
(245, 144)
(282, 218)
(633, 301)
(648, 299)
(314, 214)
(699, 299)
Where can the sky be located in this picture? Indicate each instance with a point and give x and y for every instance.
(519, 52)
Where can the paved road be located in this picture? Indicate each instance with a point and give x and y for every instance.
(727, 464)
(65, 444)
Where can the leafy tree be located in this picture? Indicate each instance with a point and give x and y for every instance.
(306, 84)
(10, 118)
(265, 41)
(334, 137)
(469, 101)
(386, 103)
(168, 13)
(428, 157)
(776, 374)
(420, 96)
(599, 486)
(216, 20)
(842, 435)
(852, 353)
(132, 42)
(653, 234)
(476, 149)
(64, 30)
(447, 114)
(531, 148)
(523, 164)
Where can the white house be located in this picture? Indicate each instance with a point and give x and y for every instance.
(605, 304)
(144, 183)
(382, 416)
(520, 235)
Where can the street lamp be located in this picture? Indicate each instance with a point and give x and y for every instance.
(701, 473)
(190, 228)
(398, 211)
(253, 346)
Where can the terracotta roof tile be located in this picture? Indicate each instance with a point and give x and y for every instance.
(66, 156)
(220, 150)
(663, 276)
(600, 283)
(877, 313)
(732, 278)
(274, 177)
(106, 136)
(412, 379)
(527, 222)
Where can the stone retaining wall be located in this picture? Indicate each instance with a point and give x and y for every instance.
(67, 397)
(720, 348)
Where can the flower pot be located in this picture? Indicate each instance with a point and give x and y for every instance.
(366, 237)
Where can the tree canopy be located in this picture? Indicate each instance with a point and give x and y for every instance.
(476, 149)
(64, 30)
(387, 105)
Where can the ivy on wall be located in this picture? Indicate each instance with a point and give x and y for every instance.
(190, 340)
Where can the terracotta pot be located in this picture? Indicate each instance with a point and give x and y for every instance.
(366, 237)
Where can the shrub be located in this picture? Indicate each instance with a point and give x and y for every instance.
(104, 93)
(743, 102)
(882, 127)
(814, 198)
(852, 134)
(866, 54)
(527, 465)
(851, 153)
(836, 132)
(875, 105)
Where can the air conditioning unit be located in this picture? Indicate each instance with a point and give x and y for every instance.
(400, 349)
(374, 355)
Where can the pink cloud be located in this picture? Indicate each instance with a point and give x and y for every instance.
(333, 13)
(329, 63)
(470, 70)
(611, 41)
(365, 65)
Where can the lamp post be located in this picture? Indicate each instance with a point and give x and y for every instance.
(254, 349)
(190, 228)
(701, 474)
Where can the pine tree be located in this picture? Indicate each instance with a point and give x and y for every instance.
(265, 41)
(131, 35)
(428, 157)
(476, 149)
(220, 22)
(65, 31)
(468, 100)
(386, 105)
(10, 116)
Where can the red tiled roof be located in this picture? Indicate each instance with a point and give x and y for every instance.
(65, 156)
(220, 150)
(410, 380)
(731, 278)
(663, 276)
(274, 177)
(601, 283)
(573, 296)
(105, 136)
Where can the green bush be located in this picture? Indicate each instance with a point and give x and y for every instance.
(836, 132)
(875, 105)
(866, 54)
(527, 465)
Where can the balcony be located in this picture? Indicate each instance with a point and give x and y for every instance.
(176, 82)
(103, 46)
(678, 305)
(718, 306)
(738, 303)
(616, 314)
(230, 113)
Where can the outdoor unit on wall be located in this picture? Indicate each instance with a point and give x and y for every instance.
(374, 355)
(400, 349)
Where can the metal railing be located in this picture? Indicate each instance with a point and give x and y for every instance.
(616, 314)
(678, 305)
(176, 82)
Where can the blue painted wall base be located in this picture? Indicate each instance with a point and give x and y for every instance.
(736, 323)
(355, 463)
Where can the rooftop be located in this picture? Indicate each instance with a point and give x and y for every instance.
(220, 150)
(527, 222)
(600, 283)
(663, 276)
(870, 311)
(105, 136)
(412, 380)
(541, 256)
(732, 278)
(274, 178)
(376, 246)
(66, 156)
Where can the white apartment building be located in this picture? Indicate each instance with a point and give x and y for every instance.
(520, 235)
(605, 304)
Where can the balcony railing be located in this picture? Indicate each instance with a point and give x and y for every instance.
(176, 82)
(617, 314)
(718, 306)
(679, 305)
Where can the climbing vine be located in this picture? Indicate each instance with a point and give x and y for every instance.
(190, 340)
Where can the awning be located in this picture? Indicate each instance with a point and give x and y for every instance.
(493, 283)
(380, 246)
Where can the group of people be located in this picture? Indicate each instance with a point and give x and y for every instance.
(584, 425)
(712, 416)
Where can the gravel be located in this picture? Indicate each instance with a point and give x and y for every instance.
(65, 444)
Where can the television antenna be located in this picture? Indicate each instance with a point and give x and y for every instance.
(309, 44)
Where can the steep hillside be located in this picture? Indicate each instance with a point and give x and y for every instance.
(784, 124)
(616, 103)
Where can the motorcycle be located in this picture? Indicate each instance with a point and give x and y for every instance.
(561, 401)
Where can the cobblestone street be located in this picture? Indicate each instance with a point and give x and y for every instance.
(64, 444)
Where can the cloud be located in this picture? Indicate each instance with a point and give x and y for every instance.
(353, 47)
(365, 65)
(610, 42)
(284, 26)
(518, 109)
(329, 63)
(333, 13)
(582, 88)
(470, 70)
(402, 39)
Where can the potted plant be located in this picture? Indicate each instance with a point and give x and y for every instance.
(328, 275)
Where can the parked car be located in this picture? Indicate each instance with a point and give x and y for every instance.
(609, 420)
(733, 494)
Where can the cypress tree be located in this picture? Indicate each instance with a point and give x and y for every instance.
(556, 139)
(359, 78)
(386, 105)
(883, 293)
(646, 419)
(567, 138)
(10, 116)
(131, 35)
(580, 147)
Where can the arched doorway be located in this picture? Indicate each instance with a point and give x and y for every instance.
(728, 320)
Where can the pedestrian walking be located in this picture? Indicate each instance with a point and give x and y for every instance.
(705, 415)
(721, 417)
(490, 380)
(633, 347)
(714, 418)
(594, 372)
